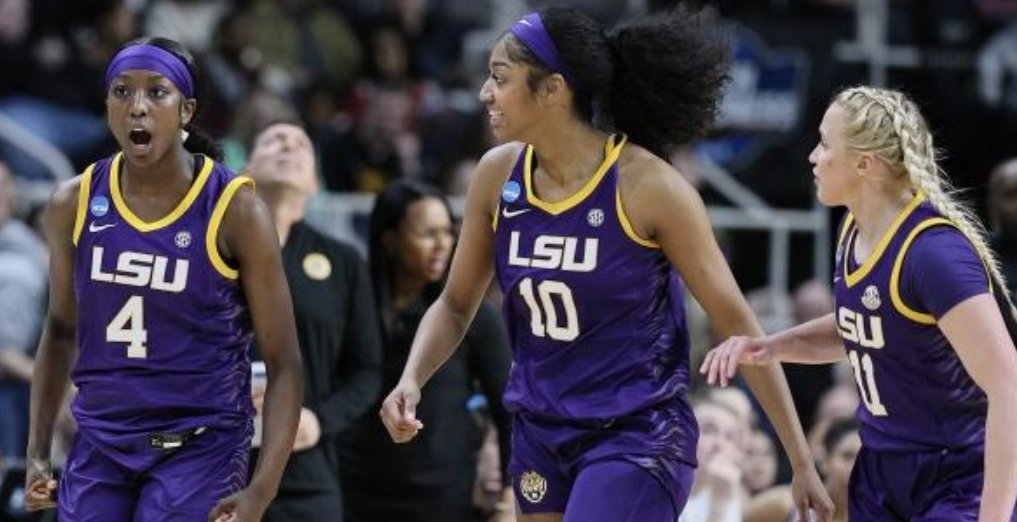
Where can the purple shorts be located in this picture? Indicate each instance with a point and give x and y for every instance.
(594, 474)
(929, 486)
(182, 484)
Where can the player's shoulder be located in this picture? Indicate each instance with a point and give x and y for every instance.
(498, 161)
(642, 173)
(65, 195)
(933, 238)
(334, 248)
(491, 172)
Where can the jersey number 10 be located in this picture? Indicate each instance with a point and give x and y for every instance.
(544, 320)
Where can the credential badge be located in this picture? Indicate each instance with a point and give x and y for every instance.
(317, 266)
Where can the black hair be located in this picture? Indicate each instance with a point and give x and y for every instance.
(836, 432)
(658, 79)
(387, 216)
(294, 121)
(198, 141)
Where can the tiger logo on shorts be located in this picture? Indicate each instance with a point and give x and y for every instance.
(532, 486)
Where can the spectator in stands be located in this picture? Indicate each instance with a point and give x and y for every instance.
(717, 494)
(411, 239)
(840, 447)
(22, 303)
(1002, 209)
(337, 328)
(53, 75)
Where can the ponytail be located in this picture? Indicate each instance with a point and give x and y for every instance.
(669, 72)
(888, 124)
(657, 79)
(199, 142)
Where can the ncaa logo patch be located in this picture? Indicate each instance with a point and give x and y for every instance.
(595, 217)
(99, 206)
(532, 487)
(511, 191)
(182, 239)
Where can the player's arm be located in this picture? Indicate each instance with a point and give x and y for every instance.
(57, 347)
(446, 321)
(977, 332)
(814, 342)
(249, 238)
(663, 206)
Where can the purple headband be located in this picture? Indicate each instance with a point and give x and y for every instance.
(531, 32)
(151, 58)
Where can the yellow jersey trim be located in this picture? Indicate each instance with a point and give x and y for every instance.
(561, 206)
(844, 228)
(852, 278)
(212, 233)
(627, 225)
(168, 219)
(898, 265)
(84, 190)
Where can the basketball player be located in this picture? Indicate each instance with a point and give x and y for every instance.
(584, 230)
(921, 313)
(166, 267)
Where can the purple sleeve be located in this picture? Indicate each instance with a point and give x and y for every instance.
(940, 270)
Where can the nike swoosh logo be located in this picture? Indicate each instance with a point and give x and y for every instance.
(513, 213)
(94, 227)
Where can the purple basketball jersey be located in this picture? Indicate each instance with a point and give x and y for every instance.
(594, 312)
(915, 393)
(164, 333)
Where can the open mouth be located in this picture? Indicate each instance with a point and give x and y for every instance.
(140, 137)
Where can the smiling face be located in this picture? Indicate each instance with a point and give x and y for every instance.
(145, 112)
(423, 242)
(512, 106)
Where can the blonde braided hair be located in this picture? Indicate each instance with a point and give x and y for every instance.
(889, 125)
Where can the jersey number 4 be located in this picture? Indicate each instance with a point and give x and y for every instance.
(865, 377)
(544, 320)
(128, 326)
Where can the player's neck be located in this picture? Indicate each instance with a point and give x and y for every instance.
(875, 212)
(159, 176)
(569, 152)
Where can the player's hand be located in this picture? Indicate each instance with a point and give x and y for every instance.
(39, 485)
(399, 412)
(245, 505)
(308, 431)
(721, 363)
(812, 502)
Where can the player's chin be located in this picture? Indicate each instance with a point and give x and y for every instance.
(824, 197)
